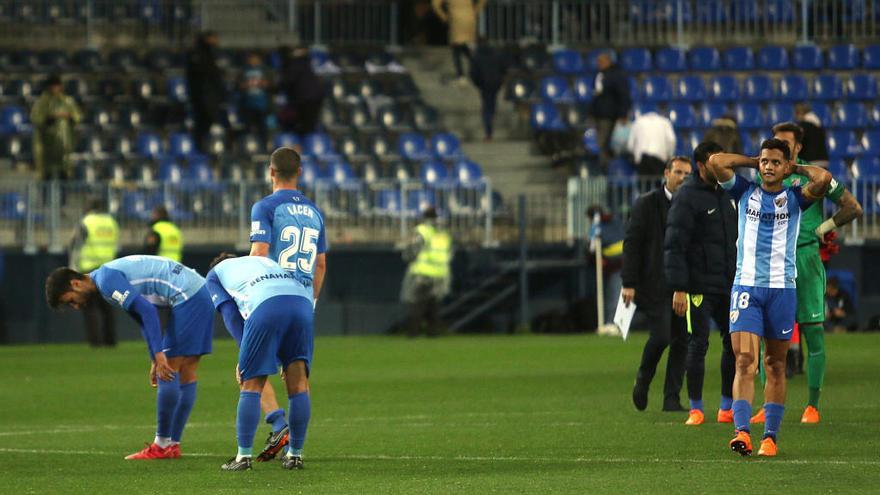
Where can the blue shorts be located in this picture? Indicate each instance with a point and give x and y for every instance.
(279, 330)
(190, 327)
(769, 313)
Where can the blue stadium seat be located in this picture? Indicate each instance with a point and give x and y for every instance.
(861, 87)
(670, 60)
(871, 57)
(793, 87)
(682, 115)
(17, 147)
(181, 145)
(78, 88)
(13, 119)
(636, 60)
(534, 58)
(590, 142)
(309, 174)
(545, 117)
(850, 115)
(744, 11)
(704, 58)
(724, 88)
(621, 171)
(576, 116)
(392, 118)
(555, 89)
(690, 88)
(320, 146)
(750, 143)
(468, 172)
(53, 61)
(170, 171)
(110, 89)
(749, 116)
(780, 112)
(839, 170)
(200, 172)
(340, 174)
(712, 111)
(121, 145)
(87, 60)
(779, 11)
(591, 59)
(711, 12)
(177, 91)
(360, 117)
(519, 89)
(823, 112)
(871, 142)
(807, 57)
(411, 146)
(446, 146)
(867, 167)
(827, 87)
(656, 88)
(149, 145)
(686, 142)
(643, 107)
(16, 90)
(842, 144)
(843, 57)
(568, 62)
(425, 117)
(772, 58)
(758, 87)
(12, 206)
(434, 173)
(123, 60)
(738, 58)
(583, 88)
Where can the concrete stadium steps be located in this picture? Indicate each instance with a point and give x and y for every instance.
(513, 169)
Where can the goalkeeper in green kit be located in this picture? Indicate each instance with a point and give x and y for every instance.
(810, 271)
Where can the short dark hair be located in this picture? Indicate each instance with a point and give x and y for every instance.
(161, 213)
(286, 162)
(706, 149)
(221, 257)
(53, 80)
(678, 158)
(96, 204)
(58, 284)
(430, 213)
(791, 127)
(777, 144)
(834, 282)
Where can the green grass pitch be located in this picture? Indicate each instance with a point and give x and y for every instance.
(523, 414)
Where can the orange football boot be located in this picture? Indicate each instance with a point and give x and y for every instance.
(758, 418)
(811, 415)
(742, 443)
(768, 448)
(153, 451)
(725, 416)
(695, 417)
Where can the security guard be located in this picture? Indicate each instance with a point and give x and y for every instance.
(95, 243)
(428, 278)
(164, 238)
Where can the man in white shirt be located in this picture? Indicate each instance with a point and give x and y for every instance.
(651, 142)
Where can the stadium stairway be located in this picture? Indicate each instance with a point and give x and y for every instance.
(509, 161)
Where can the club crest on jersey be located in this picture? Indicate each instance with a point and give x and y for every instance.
(796, 182)
(780, 200)
(697, 300)
(120, 297)
(734, 315)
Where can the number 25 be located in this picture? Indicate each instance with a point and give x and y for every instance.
(304, 243)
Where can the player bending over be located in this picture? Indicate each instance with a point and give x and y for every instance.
(139, 284)
(269, 313)
(763, 297)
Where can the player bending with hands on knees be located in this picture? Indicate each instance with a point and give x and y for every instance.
(763, 299)
(140, 284)
(270, 314)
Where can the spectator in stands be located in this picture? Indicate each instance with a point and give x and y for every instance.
(651, 142)
(611, 102)
(254, 97)
(841, 312)
(814, 149)
(303, 89)
(724, 132)
(461, 15)
(54, 116)
(487, 73)
(608, 229)
(204, 81)
(428, 278)
(164, 238)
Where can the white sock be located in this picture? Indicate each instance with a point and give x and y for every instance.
(163, 442)
(238, 458)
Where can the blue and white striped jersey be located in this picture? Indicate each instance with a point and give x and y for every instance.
(250, 280)
(159, 280)
(769, 224)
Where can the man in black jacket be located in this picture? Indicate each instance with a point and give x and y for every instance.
(644, 282)
(700, 264)
(611, 102)
(204, 81)
(487, 73)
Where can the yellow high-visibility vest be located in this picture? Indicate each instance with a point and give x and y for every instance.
(170, 240)
(101, 242)
(433, 260)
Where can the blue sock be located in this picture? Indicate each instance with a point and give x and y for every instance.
(300, 411)
(726, 403)
(166, 402)
(697, 404)
(248, 419)
(184, 407)
(277, 420)
(742, 413)
(772, 419)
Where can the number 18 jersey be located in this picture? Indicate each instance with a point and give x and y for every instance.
(294, 229)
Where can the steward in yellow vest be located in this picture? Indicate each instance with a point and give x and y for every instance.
(428, 277)
(164, 238)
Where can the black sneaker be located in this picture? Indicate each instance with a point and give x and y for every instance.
(232, 465)
(292, 462)
(275, 442)
(640, 395)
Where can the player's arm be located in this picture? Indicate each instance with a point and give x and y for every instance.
(819, 180)
(722, 165)
(260, 249)
(679, 230)
(633, 249)
(226, 306)
(320, 270)
(849, 208)
(261, 230)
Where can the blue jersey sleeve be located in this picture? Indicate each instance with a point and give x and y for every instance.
(233, 320)
(114, 287)
(215, 288)
(261, 223)
(803, 202)
(736, 186)
(145, 313)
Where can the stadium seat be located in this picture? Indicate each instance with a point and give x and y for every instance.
(468, 172)
(181, 145)
(87, 60)
(425, 117)
(360, 117)
(160, 60)
(25, 61)
(110, 89)
(656, 88)
(738, 58)
(748, 116)
(411, 146)
(590, 142)
(807, 57)
(670, 60)
(843, 57)
(772, 58)
(744, 11)
(779, 11)
(636, 60)
(52, 61)
(368, 88)
(643, 107)
(867, 168)
(120, 144)
(591, 59)
(320, 146)
(749, 143)
(555, 89)
(13, 206)
(839, 170)
(871, 142)
(391, 118)
(686, 142)
(199, 171)
(710, 12)
(682, 115)
(78, 88)
(149, 145)
(827, 87)
(519, 89)
(620, 170)
(170, 171)
(177, 91)
(13, 119)
(690, 88)
(434, 174)
(123, 60)
(823, 112)
(780, 112)
(724, 88)
(850, 115)
(583, 88)
(129, 116)
(144, 89)
(712, 111)
(545, 117)
(18, 90)
(758, 87)
(568, 62)
(340, 174)
(534, 58)
(793, 87)
(17, 147)
(842, 144)
(446, 146)
(704, 59)
(576, 116)
(861, 87)
(871, 57)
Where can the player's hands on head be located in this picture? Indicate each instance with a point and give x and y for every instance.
(679, 302)
(628, 294)
(162, 369)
